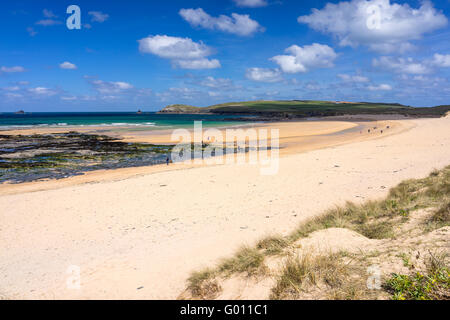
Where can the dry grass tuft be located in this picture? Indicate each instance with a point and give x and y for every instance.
(300, 273)
(272, 245)
(203, 285)
(246, 260)
(440, 218)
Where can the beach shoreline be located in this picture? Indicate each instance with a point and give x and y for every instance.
(295, 137)
(139, 235)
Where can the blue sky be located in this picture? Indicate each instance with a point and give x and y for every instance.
(148, 54)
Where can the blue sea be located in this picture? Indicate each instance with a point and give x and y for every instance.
(147, 120)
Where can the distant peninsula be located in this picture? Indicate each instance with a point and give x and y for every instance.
(307, 108)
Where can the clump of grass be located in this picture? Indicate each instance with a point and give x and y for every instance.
(375, 219)
(432, 284)
(299, 273)
(203, 285)
(440, 218)
(246, 260)
(362, 218)
(377, 230)
(272, 245)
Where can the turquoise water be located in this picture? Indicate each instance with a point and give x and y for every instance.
(119, 119)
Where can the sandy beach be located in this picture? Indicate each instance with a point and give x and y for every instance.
(137, 233)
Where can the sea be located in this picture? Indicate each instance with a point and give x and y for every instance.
(147, 120)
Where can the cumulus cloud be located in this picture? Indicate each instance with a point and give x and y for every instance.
(401, 65)
(264, 75)
(15, 69)
(381, 87)
(67, 65)
(251, 3)
(441, 60)
(239, 24)
(411, 66)
(301, 59)
(110, 87)
(378, 24)
(98, 16)
(183, 52)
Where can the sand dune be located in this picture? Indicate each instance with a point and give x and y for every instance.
(140, 236)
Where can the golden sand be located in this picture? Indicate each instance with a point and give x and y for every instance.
(138, 233)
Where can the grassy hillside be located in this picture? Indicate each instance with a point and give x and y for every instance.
(303, 108)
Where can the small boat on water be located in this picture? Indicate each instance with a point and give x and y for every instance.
(20, 112)
(139, 111)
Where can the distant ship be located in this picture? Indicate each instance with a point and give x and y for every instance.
(139, 111)
(20, 112)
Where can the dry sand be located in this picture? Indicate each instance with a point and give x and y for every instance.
(139, 236)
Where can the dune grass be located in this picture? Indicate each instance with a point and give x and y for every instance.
(299, 273)
(272, 245)
(375, 219)
(440, 218)
(203, 285)
(247, 260)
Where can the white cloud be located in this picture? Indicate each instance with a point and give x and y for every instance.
(217, 83)
(301, 59)
(98, 16)
(402, 65)
(381, 87)
(251, 3)
(71, 98)
(441, 60)
(198, 64)
(49, 14)
(109, 87)
(48, 22)
(354, 23)
(178, 93)
(353, 78)
(313, 86)
(238, 24)
(183, 52)
(12, 69)
(263, 75)
(67, 65)
(42, 91)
